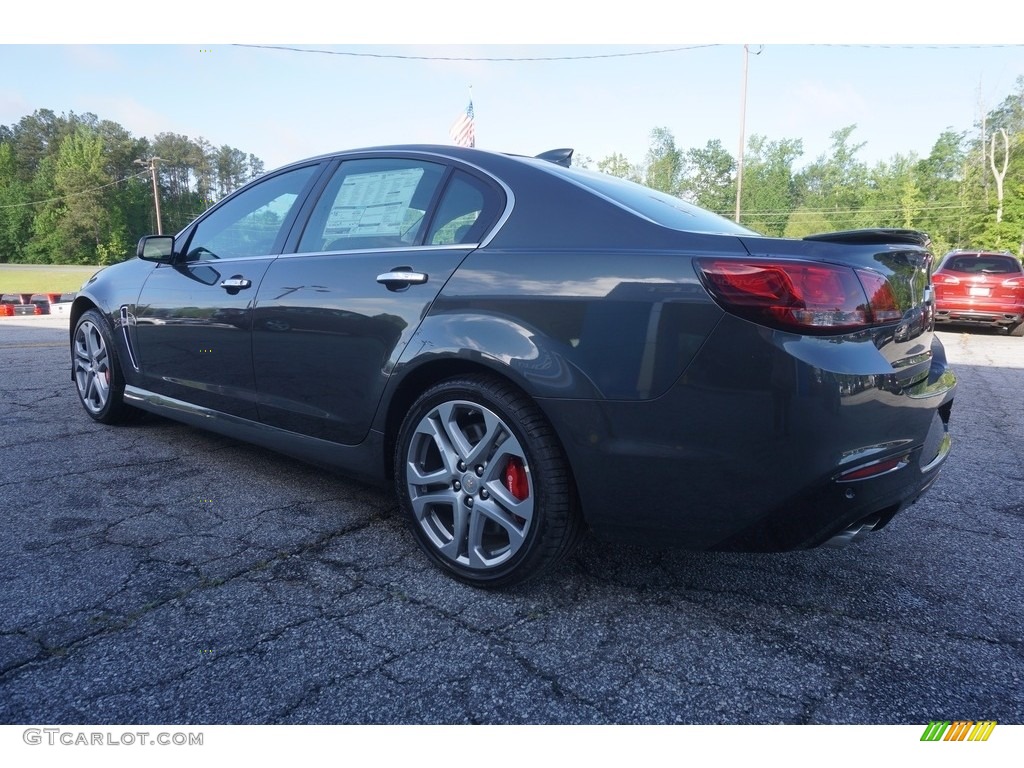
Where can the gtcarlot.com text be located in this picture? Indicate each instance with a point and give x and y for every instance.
(74, 738)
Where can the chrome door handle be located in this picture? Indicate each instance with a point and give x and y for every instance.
(401, 278)
(236, 283)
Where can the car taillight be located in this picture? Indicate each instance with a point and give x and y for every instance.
(941, 279)
(881, 300)
(1014, 282)
(800, 295)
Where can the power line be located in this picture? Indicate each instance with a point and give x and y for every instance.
(583, 57)
(76, 194)
(363, 54)
(862, 209)
(909, 46)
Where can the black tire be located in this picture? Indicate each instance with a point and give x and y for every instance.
(508, 511)
(1016, 330)
(97, 372)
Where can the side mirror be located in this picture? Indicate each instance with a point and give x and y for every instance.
(158, 248)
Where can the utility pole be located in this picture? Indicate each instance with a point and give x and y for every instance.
(742, 131)
(742, 126)
(156, 190)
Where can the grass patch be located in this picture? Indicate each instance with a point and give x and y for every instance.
(43, 278)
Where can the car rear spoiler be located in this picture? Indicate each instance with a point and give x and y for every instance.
(557, 156)
(878, 236)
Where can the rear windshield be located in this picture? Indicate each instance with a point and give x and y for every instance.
(659, 207)
(987, 263)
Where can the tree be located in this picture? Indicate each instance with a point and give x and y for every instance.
(999, 170)
(665, 164)
(893, 197)
(256, 165)
(71, 189)
(837, 183)
(804, 221)
(617, 165)
(15, 213)
(769, 188)
(710, 180)
(943, 178)
(997, 221)
(232, 166)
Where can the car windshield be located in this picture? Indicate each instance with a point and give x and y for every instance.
(661, 208)
(982, 263)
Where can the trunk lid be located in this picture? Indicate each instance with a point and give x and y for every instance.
(902, 257)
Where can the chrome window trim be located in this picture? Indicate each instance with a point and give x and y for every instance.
(394, 249)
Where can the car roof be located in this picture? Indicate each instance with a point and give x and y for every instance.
(441, 150)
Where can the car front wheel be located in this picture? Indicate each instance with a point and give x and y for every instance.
(484, 482)
(97, 371)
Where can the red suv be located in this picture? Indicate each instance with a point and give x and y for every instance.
(980, 288)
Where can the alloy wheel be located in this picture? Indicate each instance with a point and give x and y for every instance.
(470, 485)
(92, 367)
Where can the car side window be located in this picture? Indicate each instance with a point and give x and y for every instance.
(466, 211)
(373, 203)
(250, 223)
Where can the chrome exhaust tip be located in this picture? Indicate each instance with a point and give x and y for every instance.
(856, 531)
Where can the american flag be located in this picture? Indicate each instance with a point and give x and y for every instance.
(462, 131)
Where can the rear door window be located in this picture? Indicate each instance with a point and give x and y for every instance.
(465, 213)
(371, 204)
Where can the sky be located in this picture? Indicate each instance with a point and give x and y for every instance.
(901, 83)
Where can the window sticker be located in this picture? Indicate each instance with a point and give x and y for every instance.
(372, 203)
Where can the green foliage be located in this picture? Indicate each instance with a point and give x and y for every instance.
(617, 165)
(664, 167)
(80, 181)
(710, 180)
(837, 183)
(804, 221)
(75, 189)
(769, 188)
(950, 194)
(15, 214)
(114, 249)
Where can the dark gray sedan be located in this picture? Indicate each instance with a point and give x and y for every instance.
(529, 350)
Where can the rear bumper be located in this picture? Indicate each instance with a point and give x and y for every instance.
(824, 514)
(753, 449)
(995, 316)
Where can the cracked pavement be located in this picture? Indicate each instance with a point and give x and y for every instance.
(159, 574)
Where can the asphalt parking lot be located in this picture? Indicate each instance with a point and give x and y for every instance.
(159, 574)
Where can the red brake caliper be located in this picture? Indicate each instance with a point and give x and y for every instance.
(515, 478)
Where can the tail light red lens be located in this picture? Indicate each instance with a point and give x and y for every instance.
(882, 301)
(801, 296)
(940, 278)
